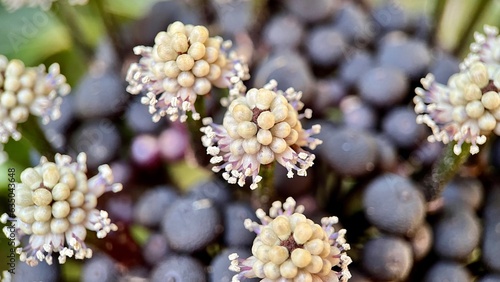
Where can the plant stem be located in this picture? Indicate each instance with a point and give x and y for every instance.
(32, 132)
(68, 16)
(467, 34)
(195, 134)
(439, 7)
(112, 29)
(444, 170)
(265, 193)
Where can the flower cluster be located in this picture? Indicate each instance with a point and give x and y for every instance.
(12, 5)
(258, 128)
(184, 63)
(467, 109)
(25, 91)
(291, 247)
(55, 204)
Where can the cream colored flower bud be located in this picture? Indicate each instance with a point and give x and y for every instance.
(179, 42)
(211, 54)
(19, 114)
(90, 201)
(478, 74)
(271, 270)
(175, 27)
(185, 62)
(214, 73)
(281, 226)
(60, 192)
(263, 253)
(459, 114)
(165, 52)
(491, 100)
(25, 96)
(68, 179)
(265, 155)
(40, 227)
(251, 146)
(236, 147)
(314, 246)
(258, 268)
(280, 113)
(76, 216)
(201, 68)
(266, 119)
(327, 267)
(27, 214)
(247, 129)
(198, 34)
(14, 68)
(202, 86)
(474, 109)
(43, 213)
(8, 99)
(300, 257)
(42, 197)
(59, 225)
(264, 136)
(185, 79)
(76, 198)
(292, 137)
(281, 130)
(457, 97)
(171, 69)
(278, 254)
(11, 84)
(50, 175)
(292, 117)
(288, 269)
(197, 50)
(264, 99)
(302, 232)
(268, 236)
(60, 209)
(278, 145)
(242, 113)
(23, 196)
(487, 122)
(472, 92)
(295, 219)
(28, 79)
(316, 265)
(221, 60)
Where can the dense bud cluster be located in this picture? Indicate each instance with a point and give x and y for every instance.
(467, 109)
(55, 204)
(12, 5)
(291, 247)
(25, 91)
(258, 128)
(184, 62)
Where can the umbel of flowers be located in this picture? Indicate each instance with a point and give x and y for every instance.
(28, 91)
(259, 128)
(467, 109)
(55, 205)
(291, 247)
(184, 62)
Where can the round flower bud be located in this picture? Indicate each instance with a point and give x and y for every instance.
(59, 225)
(40, 227)
(265, 155)
(8, 99)
(201, 68)
(264, 136)
(281, 130)
(472, 92)
(316, 265)
(19, 114)
(265, 120)
(11, 84)
(300, 257)
(43, 213)
(166, 52)
(185, 79)
(68, 179)
(268, 237)
(23, 196)
(76, 199)
(90, 201)
(242, 113)
(247, 129)
(50, 176)
(202, 86)
(264, 99)
(14, 68)
(185, 62)
(25, 96)
(214, 72)
(76, 216)
(198, 34)
(60, 192)
(314, 246)
(26, 214)
(487, 122)
(196, 50)
(478, 74)
(60, 209)
(278, 254)
(281, 226)
(179, 42)
(278, 145)
(211, 54)
(288, 269)
(491, 100)
(251, 146)
(171, 69)
(271, 270)
(474, 109)
(42, 197)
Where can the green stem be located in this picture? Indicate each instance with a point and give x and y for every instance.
(438, 13)
(195, 134)
(112, 29)
(32, 132)
(467, 34)
(444, 170)
(68, 16)
(265, 193)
